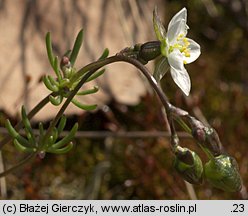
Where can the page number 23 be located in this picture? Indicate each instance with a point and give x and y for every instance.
(238, 208)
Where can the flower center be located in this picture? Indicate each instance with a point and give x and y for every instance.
(182, 45)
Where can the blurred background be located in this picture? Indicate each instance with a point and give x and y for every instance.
(135, 163)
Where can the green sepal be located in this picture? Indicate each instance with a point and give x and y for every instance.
(222, 172)
(56, 101)
(189, 165)
(76, 47)
(83, 106)
(89, 91)
(158, 26)
(163, 47)
(161, 68)
(68, 138)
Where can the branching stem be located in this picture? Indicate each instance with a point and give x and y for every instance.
(87, 71)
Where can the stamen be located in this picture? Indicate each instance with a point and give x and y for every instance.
(180, 36)
(183, 49)
(182, 45)
(186, 53)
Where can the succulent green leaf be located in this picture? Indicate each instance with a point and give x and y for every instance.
(95, 75)
(41, 129)
(49, 49)
(50, 140)
(27, 125)
(68, 138)
(56, 68)
(83, 106)
(222, 172)
(76, 47)
(53, 81)
(161, 68)
(64, 83)
(63, 150)
(62, 124)
(49, 85)
(89, 91)
(56, 101)
(41, 133)
(22, 148)
(13, 133)
(104, 54)
(55, 134)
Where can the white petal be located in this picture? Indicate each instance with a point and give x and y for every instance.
(175, 60)
(179, 27)
(181, 15)
(194, 50)
(182, 79)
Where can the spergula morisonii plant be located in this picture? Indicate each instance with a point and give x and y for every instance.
(175, 51)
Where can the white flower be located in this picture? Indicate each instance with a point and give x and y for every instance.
(177, 48)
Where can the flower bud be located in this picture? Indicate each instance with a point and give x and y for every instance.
(206, 136)
(149, 51)
(189, 165)
(222, 172)
(65, 66)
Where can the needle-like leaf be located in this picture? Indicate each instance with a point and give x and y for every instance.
(68, 138)
(95, 75)
(13, 133)
(89, 91)
(49, 85)
(63, 150)
(49, 49)
(104, 54)
(83, 106)
(62, 124)
(76, 47)
(56, 101)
